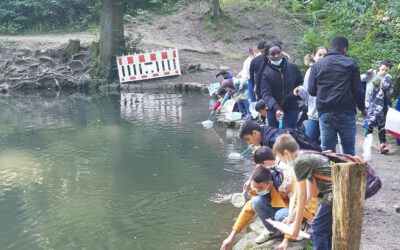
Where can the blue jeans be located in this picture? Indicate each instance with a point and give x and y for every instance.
(289, 119)
(322, 228)
(262, 206)
(312, 129)
(243, 106)
(331, 124)
(250, 89)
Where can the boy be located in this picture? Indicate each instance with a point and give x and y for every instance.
(261, 108)
(309, 168)
(224, 75)
(267, 203)
(252, 133)
(378, 91)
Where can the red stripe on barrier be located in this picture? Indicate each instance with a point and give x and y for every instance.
(155, 74)
(141, 58)
(144, 76)
(130, 60)
(174, 54)
(167, 73)
(164, 55)
(120, 61)
(153, 57)
(133, 77)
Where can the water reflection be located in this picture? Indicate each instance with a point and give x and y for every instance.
(161, 108)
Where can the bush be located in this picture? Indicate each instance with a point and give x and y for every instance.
(372, 28)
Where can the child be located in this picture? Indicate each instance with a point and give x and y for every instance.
(224, 75)
(224, 93)
(254, 134)
(309, 168)
(266, 202)
(308, 60)
(378, 93)
(261, 108)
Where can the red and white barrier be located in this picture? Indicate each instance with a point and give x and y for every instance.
(148, 65)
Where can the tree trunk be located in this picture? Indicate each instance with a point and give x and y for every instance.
(215, 10)
(111, 37)
(349, 182)
(71, 49)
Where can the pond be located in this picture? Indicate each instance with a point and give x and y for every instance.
(114, 171)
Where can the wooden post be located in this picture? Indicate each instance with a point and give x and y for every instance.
(348, 204)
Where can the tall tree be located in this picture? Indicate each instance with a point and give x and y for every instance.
(215, 10)
(111, 36)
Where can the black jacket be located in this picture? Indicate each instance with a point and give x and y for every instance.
(335, 81)
(255, 67)
(270, 134)
(277, 85)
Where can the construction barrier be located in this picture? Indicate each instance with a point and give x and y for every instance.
(148, 65)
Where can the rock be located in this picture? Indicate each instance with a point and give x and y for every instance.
(47, 61)
(23, 52)
(207, 66)
(40, 52)
(223, 67)
(76, 66)
(20, 61)
(162, 27)
(34, 68)
(84, 80)
(48, 83)
(397, 209)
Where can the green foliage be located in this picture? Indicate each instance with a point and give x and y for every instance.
(372, 27)
(44, 15)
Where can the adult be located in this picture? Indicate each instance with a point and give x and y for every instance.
(279, 78)
(255, 66)
(335, 81)
(312, 126)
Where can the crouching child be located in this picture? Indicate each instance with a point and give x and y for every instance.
(311, 170)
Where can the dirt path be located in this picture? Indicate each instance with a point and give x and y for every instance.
(381, 221)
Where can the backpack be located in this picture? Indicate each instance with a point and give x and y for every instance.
(282, 179)
(373, 182)
(277, 176)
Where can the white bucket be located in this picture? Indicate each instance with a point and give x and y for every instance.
(229, 105)
(393, 121)
(213, 88)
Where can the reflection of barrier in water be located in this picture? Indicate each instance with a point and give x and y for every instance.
(163, 108)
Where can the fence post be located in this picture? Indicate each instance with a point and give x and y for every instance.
(348, 204)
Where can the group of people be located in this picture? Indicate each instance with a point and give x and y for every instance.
(288, 184)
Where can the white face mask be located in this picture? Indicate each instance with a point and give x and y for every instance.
(264, 192)
(276, 63)
(289, 162)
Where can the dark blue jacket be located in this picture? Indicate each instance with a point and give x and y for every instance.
(277, 85)
(335, 81)
(270, 134)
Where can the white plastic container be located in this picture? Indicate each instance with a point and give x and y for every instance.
(234, 116)
(213, 88)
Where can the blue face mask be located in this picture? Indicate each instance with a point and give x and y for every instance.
(262, 193)
(277, 63)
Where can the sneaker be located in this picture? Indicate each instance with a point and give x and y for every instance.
(267, 235)
(384, 149)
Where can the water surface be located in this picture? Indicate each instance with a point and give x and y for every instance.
(100, 171)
